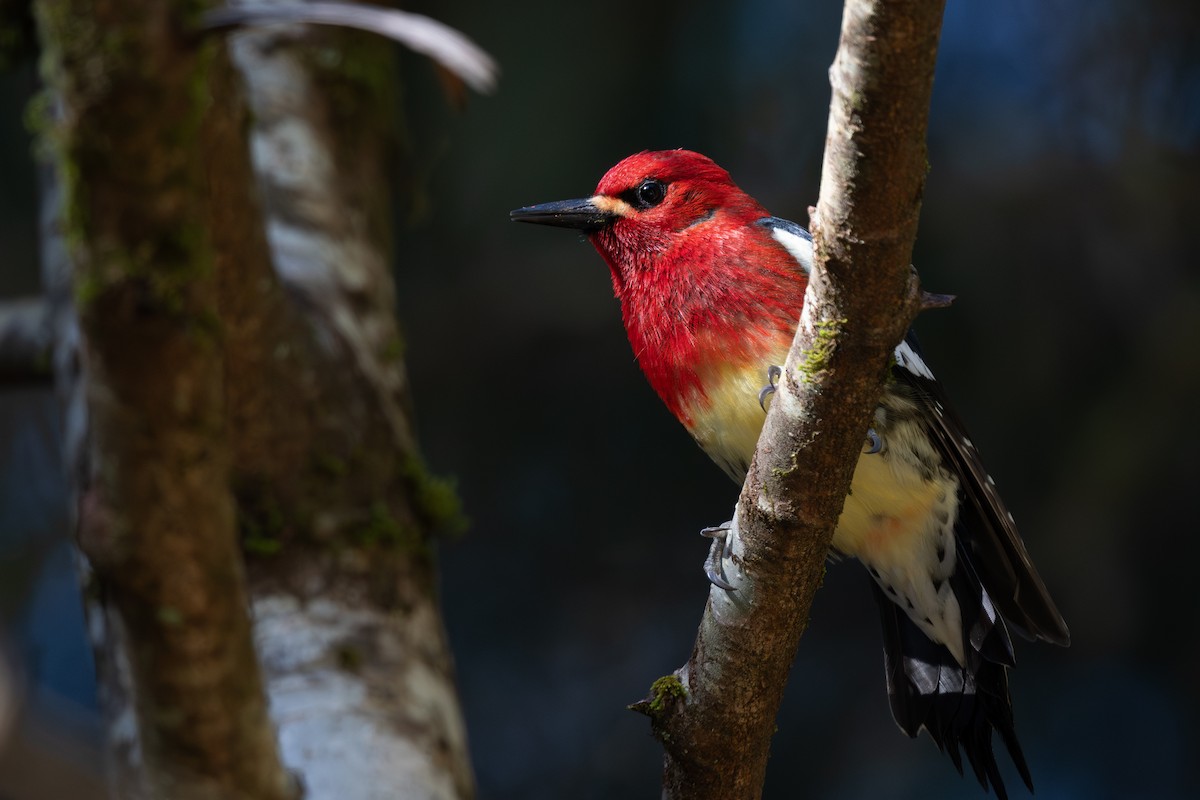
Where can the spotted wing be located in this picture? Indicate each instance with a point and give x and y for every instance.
(985, 526)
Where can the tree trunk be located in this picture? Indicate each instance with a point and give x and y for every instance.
(231, 390)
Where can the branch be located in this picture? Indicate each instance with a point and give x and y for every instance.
(861, 298)
(449, 48)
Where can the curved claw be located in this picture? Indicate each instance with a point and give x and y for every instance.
(763, 394)
(716, 580)
(875, 440)
(773, 373)
(714, 564)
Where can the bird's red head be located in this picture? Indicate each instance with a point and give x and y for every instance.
(659, 203)
(653, 210)
(700, 283)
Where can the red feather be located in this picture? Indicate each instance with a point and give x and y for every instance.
(698, 283)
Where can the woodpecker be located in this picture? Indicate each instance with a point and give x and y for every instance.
(711, 287)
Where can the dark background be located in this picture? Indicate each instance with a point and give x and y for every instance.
(1065, 158)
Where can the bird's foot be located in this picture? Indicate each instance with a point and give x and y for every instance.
(773, 373)
(722, 548)
(874, 442)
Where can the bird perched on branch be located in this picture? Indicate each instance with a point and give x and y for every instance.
(711, 287)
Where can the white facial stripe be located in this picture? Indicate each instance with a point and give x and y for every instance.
(612, 205)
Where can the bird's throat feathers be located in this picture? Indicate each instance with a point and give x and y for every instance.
(695, 314)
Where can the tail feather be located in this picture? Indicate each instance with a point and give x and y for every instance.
(959, 705)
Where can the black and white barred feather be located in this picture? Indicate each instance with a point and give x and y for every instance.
(957, 693)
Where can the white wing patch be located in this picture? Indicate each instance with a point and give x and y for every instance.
(798, 246)
(907, 357)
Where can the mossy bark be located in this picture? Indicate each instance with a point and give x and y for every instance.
(350, 556)
(156, 515)
(241, 364)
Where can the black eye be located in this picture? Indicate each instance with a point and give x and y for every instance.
(649, 194)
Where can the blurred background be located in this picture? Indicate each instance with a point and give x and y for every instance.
(1061, 208)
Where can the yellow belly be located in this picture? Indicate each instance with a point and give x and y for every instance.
(899, 516)
(891, 499)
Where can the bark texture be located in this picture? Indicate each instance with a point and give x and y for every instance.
(156, 516)
(233, 385)
(716, 716)
(367, 707)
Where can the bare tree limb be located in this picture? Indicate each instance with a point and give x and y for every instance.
(717, 718)
(445, 45)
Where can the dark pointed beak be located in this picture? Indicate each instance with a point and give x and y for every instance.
(582, 215)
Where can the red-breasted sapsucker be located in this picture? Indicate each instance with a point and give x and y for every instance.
(711, 287)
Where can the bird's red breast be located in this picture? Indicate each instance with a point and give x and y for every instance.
(705, 294)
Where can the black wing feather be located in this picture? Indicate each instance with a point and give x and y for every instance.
(985, 525)
(994, 580)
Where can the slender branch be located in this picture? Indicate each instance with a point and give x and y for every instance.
(452, 50)
(861, 299)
